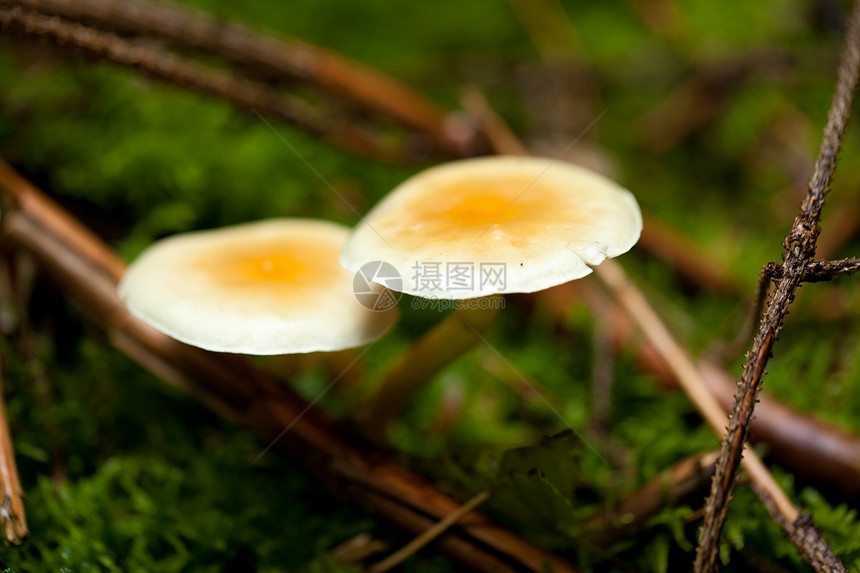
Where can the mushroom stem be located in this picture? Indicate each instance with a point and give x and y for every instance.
(416, 367)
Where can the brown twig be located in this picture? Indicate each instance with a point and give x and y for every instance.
(233, 388)
(246, 94)
(472, 556)
(13, 520)
(273, 58)
(818, 271)
(815, 271)
(428, 535)
(799, 252)
(803, 533)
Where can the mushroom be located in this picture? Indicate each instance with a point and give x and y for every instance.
(270, 287)
(545, 222)
(517, 224)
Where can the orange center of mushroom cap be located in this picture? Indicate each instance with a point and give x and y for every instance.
(268, 265)
(478, 209)
(272, 267)
(490, 201)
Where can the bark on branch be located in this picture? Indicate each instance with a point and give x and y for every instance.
(799, 252)
(244, 93)
(818, 271)
(271, 58)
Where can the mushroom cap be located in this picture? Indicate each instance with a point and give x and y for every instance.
(270, 287)
(541, 222)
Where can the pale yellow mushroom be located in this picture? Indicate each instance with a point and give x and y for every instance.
(545, 221)
(517, 224)
(270, 287)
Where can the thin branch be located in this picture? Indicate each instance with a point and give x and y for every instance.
(429, 535)
(819, 271)
(13, 520)
(274, 58)
(244, 93)
(803, 533)
(472, 556)
(799, 252)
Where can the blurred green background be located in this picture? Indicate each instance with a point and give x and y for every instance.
(711, 115)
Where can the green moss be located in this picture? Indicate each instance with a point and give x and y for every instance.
(156, 483)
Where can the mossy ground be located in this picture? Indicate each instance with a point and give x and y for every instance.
(153, 482)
